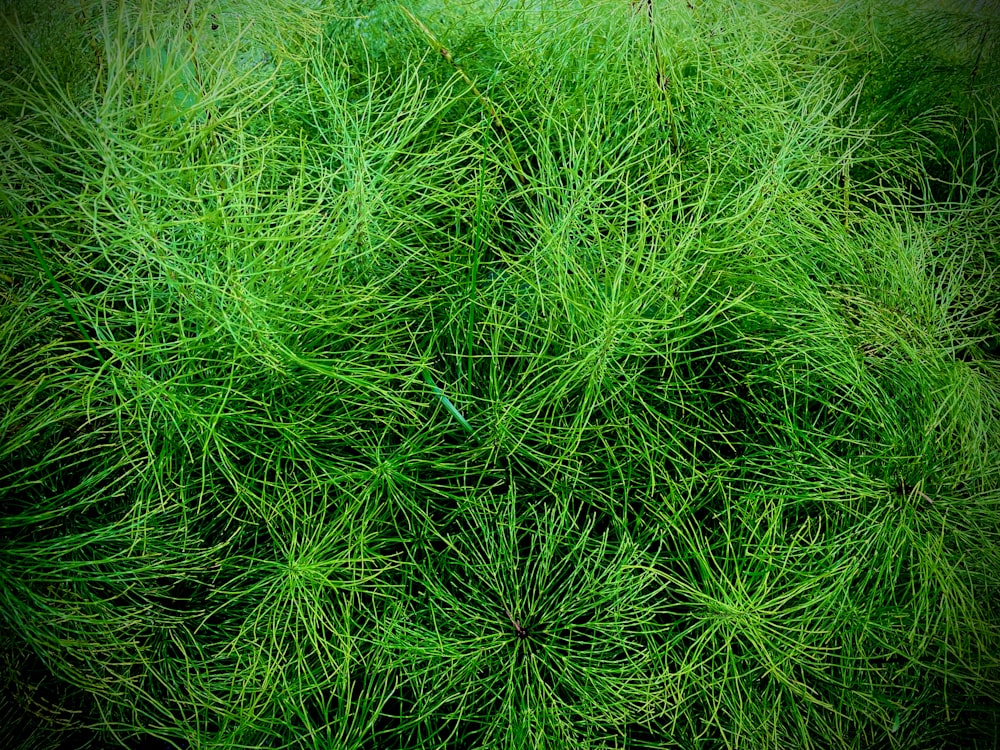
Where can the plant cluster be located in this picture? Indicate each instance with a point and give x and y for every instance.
(550, 375)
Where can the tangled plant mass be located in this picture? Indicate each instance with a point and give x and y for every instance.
(507, 375)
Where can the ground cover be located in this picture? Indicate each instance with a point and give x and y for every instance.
(571, 375)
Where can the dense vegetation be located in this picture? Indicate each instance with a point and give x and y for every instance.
(571, 375)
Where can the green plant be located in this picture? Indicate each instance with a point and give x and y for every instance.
(574, 375)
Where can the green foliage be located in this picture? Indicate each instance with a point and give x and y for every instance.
(574, 375)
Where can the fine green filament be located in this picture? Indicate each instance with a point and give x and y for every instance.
(52, 280)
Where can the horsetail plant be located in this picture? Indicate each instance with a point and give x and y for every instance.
(734, 474)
